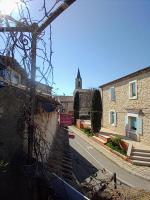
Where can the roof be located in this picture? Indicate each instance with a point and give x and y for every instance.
(49, 103)
(12, 62)
(141, 71)
(64, 98)
(78, 74)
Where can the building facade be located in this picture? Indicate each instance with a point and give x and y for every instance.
(126, 105)
(66, 103)
(85, 98)
(12, 72)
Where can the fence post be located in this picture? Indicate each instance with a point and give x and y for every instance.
(115, 180)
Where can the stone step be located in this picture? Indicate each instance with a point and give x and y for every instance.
(142, 158)
(97, 139)
(137, 153)
(141, 150)
(104, 137)
(141, 163)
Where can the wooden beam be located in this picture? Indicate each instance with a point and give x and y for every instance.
(55, 14)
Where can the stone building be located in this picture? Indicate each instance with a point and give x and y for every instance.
(66, 103)
(126, 105)
(13, 100)
(85, 98)
(12, 72)
(13, 129)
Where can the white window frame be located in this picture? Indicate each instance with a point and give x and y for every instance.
(130, 90)
(110, 115)
(132, 115)
(113, 87)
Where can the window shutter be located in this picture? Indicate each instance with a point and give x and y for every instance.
(126, 124)
(112, 93)
(115, 119)
(110, 117)
(139, 126)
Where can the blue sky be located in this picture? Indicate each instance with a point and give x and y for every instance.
(106, 39)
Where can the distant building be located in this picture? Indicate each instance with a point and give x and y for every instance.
(43, 88)
(66, 103)
(85, 98)
(78, 81)
(12, 72)
(126, 105)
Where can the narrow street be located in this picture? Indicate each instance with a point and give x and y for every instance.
(87, 160)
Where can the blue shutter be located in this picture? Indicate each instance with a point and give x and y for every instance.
(115, 119)
(112, 93)
(139, 126)
(126, 123)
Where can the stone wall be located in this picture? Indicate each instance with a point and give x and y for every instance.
(122, 103)
(46, 124)
(13, 132)
(11, 122)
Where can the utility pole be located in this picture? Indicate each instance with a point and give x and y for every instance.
(35, 30)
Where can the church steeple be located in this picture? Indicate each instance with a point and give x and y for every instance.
(78, 74)
(78, 83)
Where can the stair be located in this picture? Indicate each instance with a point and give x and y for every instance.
(99, 140)
(104, 137)
(140, 157)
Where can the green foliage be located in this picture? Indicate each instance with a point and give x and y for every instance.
(115, 144)
(76, 107)
(87, 131)
(116, 140)
(96, 111)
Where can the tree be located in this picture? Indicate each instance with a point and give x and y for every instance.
(76, 107)
(96, 111)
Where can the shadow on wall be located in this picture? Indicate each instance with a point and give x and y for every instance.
(11, 123)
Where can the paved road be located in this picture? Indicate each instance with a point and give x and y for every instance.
(83, 152)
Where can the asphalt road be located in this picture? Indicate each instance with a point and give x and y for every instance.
(87, 160)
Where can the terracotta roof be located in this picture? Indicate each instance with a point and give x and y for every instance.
(141, 71)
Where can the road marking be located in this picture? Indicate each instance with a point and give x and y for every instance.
(92, 156)
(89, 147)
(121, 180)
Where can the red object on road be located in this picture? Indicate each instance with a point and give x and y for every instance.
(71, 136)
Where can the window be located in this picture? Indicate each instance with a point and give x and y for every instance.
(132, 123)
(112, 118)
(133, 90)
(112, 94)
(2, 73)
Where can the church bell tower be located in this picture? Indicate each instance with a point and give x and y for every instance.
(78, 82)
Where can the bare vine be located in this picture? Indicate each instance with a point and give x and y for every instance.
(18, 46)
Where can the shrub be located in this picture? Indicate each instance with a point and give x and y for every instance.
(96, 111)
(116, 141)
(76, 107)
(88, 132)
(115, 144)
